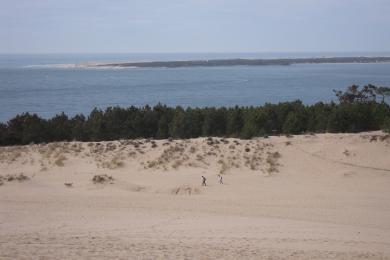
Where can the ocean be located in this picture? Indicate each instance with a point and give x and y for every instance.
(52, 83)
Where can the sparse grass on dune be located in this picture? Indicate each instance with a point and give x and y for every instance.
(222, 153)
(214, 152)
(376, 137)
(113, 163)
(59, 161)
(225, 154)
(185, 190)
(102, 179)
(272, 161)
(13, 177)
(171, 157)
(68, 184)
(11, 154)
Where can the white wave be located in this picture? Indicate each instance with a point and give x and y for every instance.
(53, 66)
(86, 65)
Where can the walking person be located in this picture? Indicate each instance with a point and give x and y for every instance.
(203, 181)
(220, 179)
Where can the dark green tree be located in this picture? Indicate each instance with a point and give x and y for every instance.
(60, 128)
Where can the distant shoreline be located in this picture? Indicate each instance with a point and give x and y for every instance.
(240, 62)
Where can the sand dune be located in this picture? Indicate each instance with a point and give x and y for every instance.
(301, 197)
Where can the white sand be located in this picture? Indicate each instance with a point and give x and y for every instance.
(320, 197)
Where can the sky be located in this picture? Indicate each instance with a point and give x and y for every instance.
(143, 26)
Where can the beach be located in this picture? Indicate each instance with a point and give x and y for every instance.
(312, 196)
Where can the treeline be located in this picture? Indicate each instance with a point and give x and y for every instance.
(357, 110)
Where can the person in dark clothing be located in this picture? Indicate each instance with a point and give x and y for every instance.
(204, 181)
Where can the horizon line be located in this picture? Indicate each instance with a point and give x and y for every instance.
(190, 52)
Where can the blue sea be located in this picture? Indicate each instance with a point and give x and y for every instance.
(48, 84)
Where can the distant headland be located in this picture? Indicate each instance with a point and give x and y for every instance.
(241, 62)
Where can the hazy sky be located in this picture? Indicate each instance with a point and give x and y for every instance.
(47, 26)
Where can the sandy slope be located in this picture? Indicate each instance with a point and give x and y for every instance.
(305, 197)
